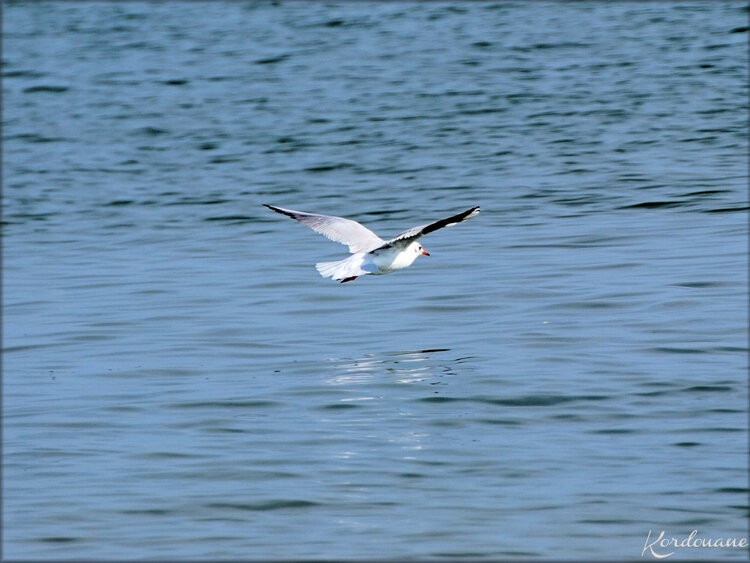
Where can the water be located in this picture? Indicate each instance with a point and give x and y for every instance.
(566, 372)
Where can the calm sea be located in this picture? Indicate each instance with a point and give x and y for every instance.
(566, 372)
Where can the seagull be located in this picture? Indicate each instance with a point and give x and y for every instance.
(370, 253)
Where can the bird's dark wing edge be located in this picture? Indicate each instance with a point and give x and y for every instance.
(417, 232)
(450, 221)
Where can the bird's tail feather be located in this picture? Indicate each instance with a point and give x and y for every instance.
(342, 269)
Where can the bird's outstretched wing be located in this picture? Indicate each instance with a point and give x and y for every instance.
(422, 230)
(357, 237)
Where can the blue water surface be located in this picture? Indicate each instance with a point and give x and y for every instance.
(566, 372)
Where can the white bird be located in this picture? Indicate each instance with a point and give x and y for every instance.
(370, 253)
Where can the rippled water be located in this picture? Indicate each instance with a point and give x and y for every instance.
(566, 372)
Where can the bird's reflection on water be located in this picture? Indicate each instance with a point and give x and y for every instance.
(409, 366)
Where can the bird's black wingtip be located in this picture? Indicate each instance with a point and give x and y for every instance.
(288, 212)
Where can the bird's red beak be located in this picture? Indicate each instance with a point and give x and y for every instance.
(425, 253)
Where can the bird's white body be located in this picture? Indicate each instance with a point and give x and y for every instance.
(396, 257)
(370, 254)
(377, 262)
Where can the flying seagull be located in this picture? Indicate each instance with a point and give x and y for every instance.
(370, 253)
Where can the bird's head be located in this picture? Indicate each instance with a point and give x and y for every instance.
(419, 250)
